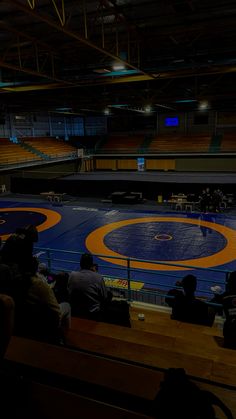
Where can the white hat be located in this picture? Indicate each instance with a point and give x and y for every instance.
(42, 266)
(216, 289)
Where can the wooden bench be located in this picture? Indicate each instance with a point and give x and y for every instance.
(161, 322)
(159, 342)
(88, 375)
(98, 381)
(52, 402)
(158, 355)
(86, 386)
(86, 367)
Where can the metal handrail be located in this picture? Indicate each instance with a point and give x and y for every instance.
(55, 263)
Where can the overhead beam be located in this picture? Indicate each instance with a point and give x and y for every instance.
(124, 79)
(162, 75)
(32, 87)
(60, 13)
(37, 48)
(10, 29)
(74, 35)
(32, 72)
(31, 3)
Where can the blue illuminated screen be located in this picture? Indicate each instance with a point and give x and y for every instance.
(140, 160)
(172, 122)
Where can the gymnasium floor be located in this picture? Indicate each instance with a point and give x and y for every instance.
(145, 231)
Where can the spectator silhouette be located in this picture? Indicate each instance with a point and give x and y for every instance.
(217, 299)
(187, 308)
(217, 198)
(229, 307)
(90, 299)
(87, 290)
(174, 292)
(17, 251)
(205, 200)
(37, 312)
(60, 286)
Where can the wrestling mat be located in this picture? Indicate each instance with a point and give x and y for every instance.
(206, 242)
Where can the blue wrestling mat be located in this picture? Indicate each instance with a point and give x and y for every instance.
(203, 241)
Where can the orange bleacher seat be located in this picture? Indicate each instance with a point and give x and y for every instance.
(228, 143)
(12, 153)
(180, 144)
(123, 143)
(50, 146)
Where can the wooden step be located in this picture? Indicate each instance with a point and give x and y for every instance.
(118, 376)
(198, 349)
(161, 322)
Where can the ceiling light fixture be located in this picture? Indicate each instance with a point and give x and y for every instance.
(203, 105)
(118, 67)
(101, 70)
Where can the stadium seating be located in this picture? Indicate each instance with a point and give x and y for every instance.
(228, 143)
(124, 367)
(12, 153)
(180, 144)
(49, 146)
(122, 144)
(65, 383)
(160, 342)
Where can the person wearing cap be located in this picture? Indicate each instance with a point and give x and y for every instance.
(217, 299)
(216, 289)
(173, 293)
(187, 308)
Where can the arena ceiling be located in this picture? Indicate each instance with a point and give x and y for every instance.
(85, 56)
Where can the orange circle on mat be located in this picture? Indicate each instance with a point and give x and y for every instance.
(52, 217)
(95, 244)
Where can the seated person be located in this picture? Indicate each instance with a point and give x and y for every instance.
(174, 292)
(187, 308)
(18, 248)
(45, 274)
(38, 314)
(87, 290)
(229, 307)
(90, 299)
(60, 286)
(217, 299)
